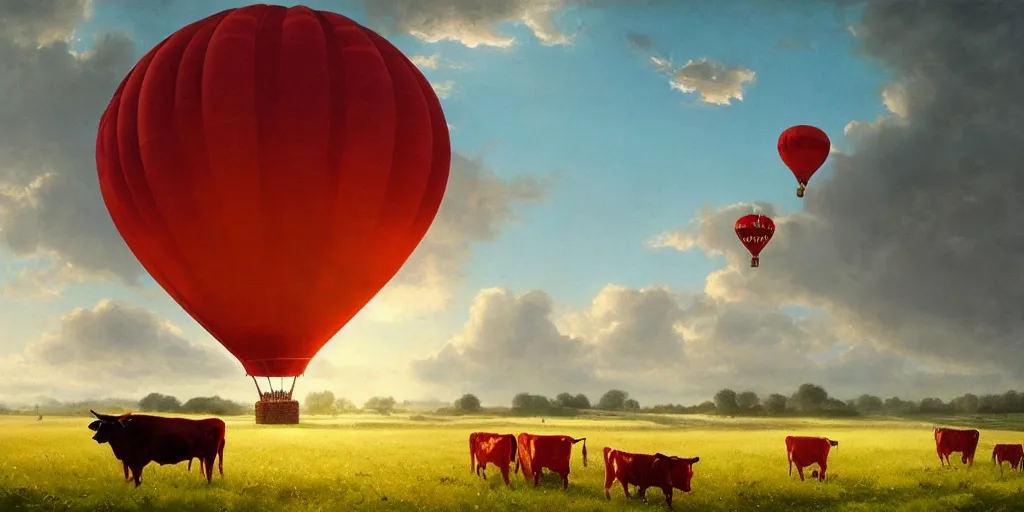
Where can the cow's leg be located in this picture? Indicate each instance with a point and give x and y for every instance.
(481, 469)
(800, 471)
(791, 465)
(668, 496)
(189, 467)
(124, 465)
(137, 475)
(1000, 467)
(641, 493)
(822, 467)
(565, 480)
(504, 474)
(208, 462)
(609, 478)
(536, 477)
(625, 489)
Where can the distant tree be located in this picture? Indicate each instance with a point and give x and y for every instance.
(1012, 402)
(631, 405)
(748, 402)
(992, 404)
(344, 405)
(563, 400)
(213, 405)
(613, 400)
(725, 402)
(868, 404)
(967, 404)
(580, 401)
(468, 403)
(705, 407)
(321, 402)
(380, 404)
(775, 404)
(810, 397)
(933, 406)
(156, 402)
(896, 406)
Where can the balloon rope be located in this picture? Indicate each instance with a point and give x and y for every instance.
(292, 388)
(258, 390)
(271, 384)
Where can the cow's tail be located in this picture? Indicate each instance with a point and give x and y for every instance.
(607, 461)
(472, 457)
(994, 455)
(574, 441)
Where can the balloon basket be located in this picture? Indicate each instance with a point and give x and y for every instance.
(754, 262)
(800, 190)
(277, 412)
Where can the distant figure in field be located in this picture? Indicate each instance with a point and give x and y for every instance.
(542, 420)
(137, 440)
(1012, 453)
(551, 452)
(497, 449)
(644, 471)
(40, 418)
(804, 451)
(949, 440)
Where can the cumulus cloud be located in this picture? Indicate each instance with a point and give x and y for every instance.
(470, 22)
(476, 206)
(913, 243)
(445, 89)
(114, 348)
(663, 346)
(714, 82)
(433, 62)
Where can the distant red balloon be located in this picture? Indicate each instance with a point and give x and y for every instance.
(754, 232)
(272, 168)
(803, 149)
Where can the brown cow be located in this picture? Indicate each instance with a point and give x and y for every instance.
(804, 451)
(1012, 453)
(551, 452)
(215, 428)
(642, 470)
(137, 440)
(949, 440)
(488, 447)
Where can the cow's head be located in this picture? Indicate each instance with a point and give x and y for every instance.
(107, 426)
(682, 472)
(833, 443)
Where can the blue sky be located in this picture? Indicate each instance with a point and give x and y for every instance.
(625, 155)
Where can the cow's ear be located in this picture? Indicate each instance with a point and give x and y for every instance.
(124, 420)
(95, 425)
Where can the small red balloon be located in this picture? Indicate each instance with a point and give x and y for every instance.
(803, 149)
(754, 232)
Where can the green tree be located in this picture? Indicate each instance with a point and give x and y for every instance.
(967, 404)
(156, 402)
(613, 400)
(468, 403)
(631, 405)
(775, 404)
(344, 405)
(868, 404)
(810, 397)
(725, 402)
(748, 401)
(321, 402)
(580, 401)
(564, 400)
(380, 404)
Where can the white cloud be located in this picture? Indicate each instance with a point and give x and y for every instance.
(715, 83)
(472, 23)
(444, 89)
(434, 62)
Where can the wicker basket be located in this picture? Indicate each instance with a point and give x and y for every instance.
(277, 412)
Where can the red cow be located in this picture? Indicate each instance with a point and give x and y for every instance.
(137, 440)
(488, 447)
(216, 428)
(804, 451)
(949, 440)
(551, 452)
(1012, 453)
(642, 470)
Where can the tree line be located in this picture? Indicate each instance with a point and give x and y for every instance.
(808, 399)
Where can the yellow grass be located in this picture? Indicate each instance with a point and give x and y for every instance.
(422, 463)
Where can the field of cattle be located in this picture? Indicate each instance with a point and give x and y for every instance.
(422, 463)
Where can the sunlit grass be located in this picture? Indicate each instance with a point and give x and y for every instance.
(398, 463)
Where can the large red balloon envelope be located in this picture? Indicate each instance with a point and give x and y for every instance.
(754, 232)
(803, 149)
(272, 168)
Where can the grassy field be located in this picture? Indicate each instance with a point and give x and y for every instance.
(421, 463)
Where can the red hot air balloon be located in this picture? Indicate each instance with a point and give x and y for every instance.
(754, 232)
(803, 149)
(272, 168)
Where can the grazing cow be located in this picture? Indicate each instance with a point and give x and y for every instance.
(139, 439)
(949, 440)
(642, 470)
(488, 447)
(804, 451)
(551, 452)
(1012, 453)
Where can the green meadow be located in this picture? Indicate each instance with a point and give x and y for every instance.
(422, 463)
